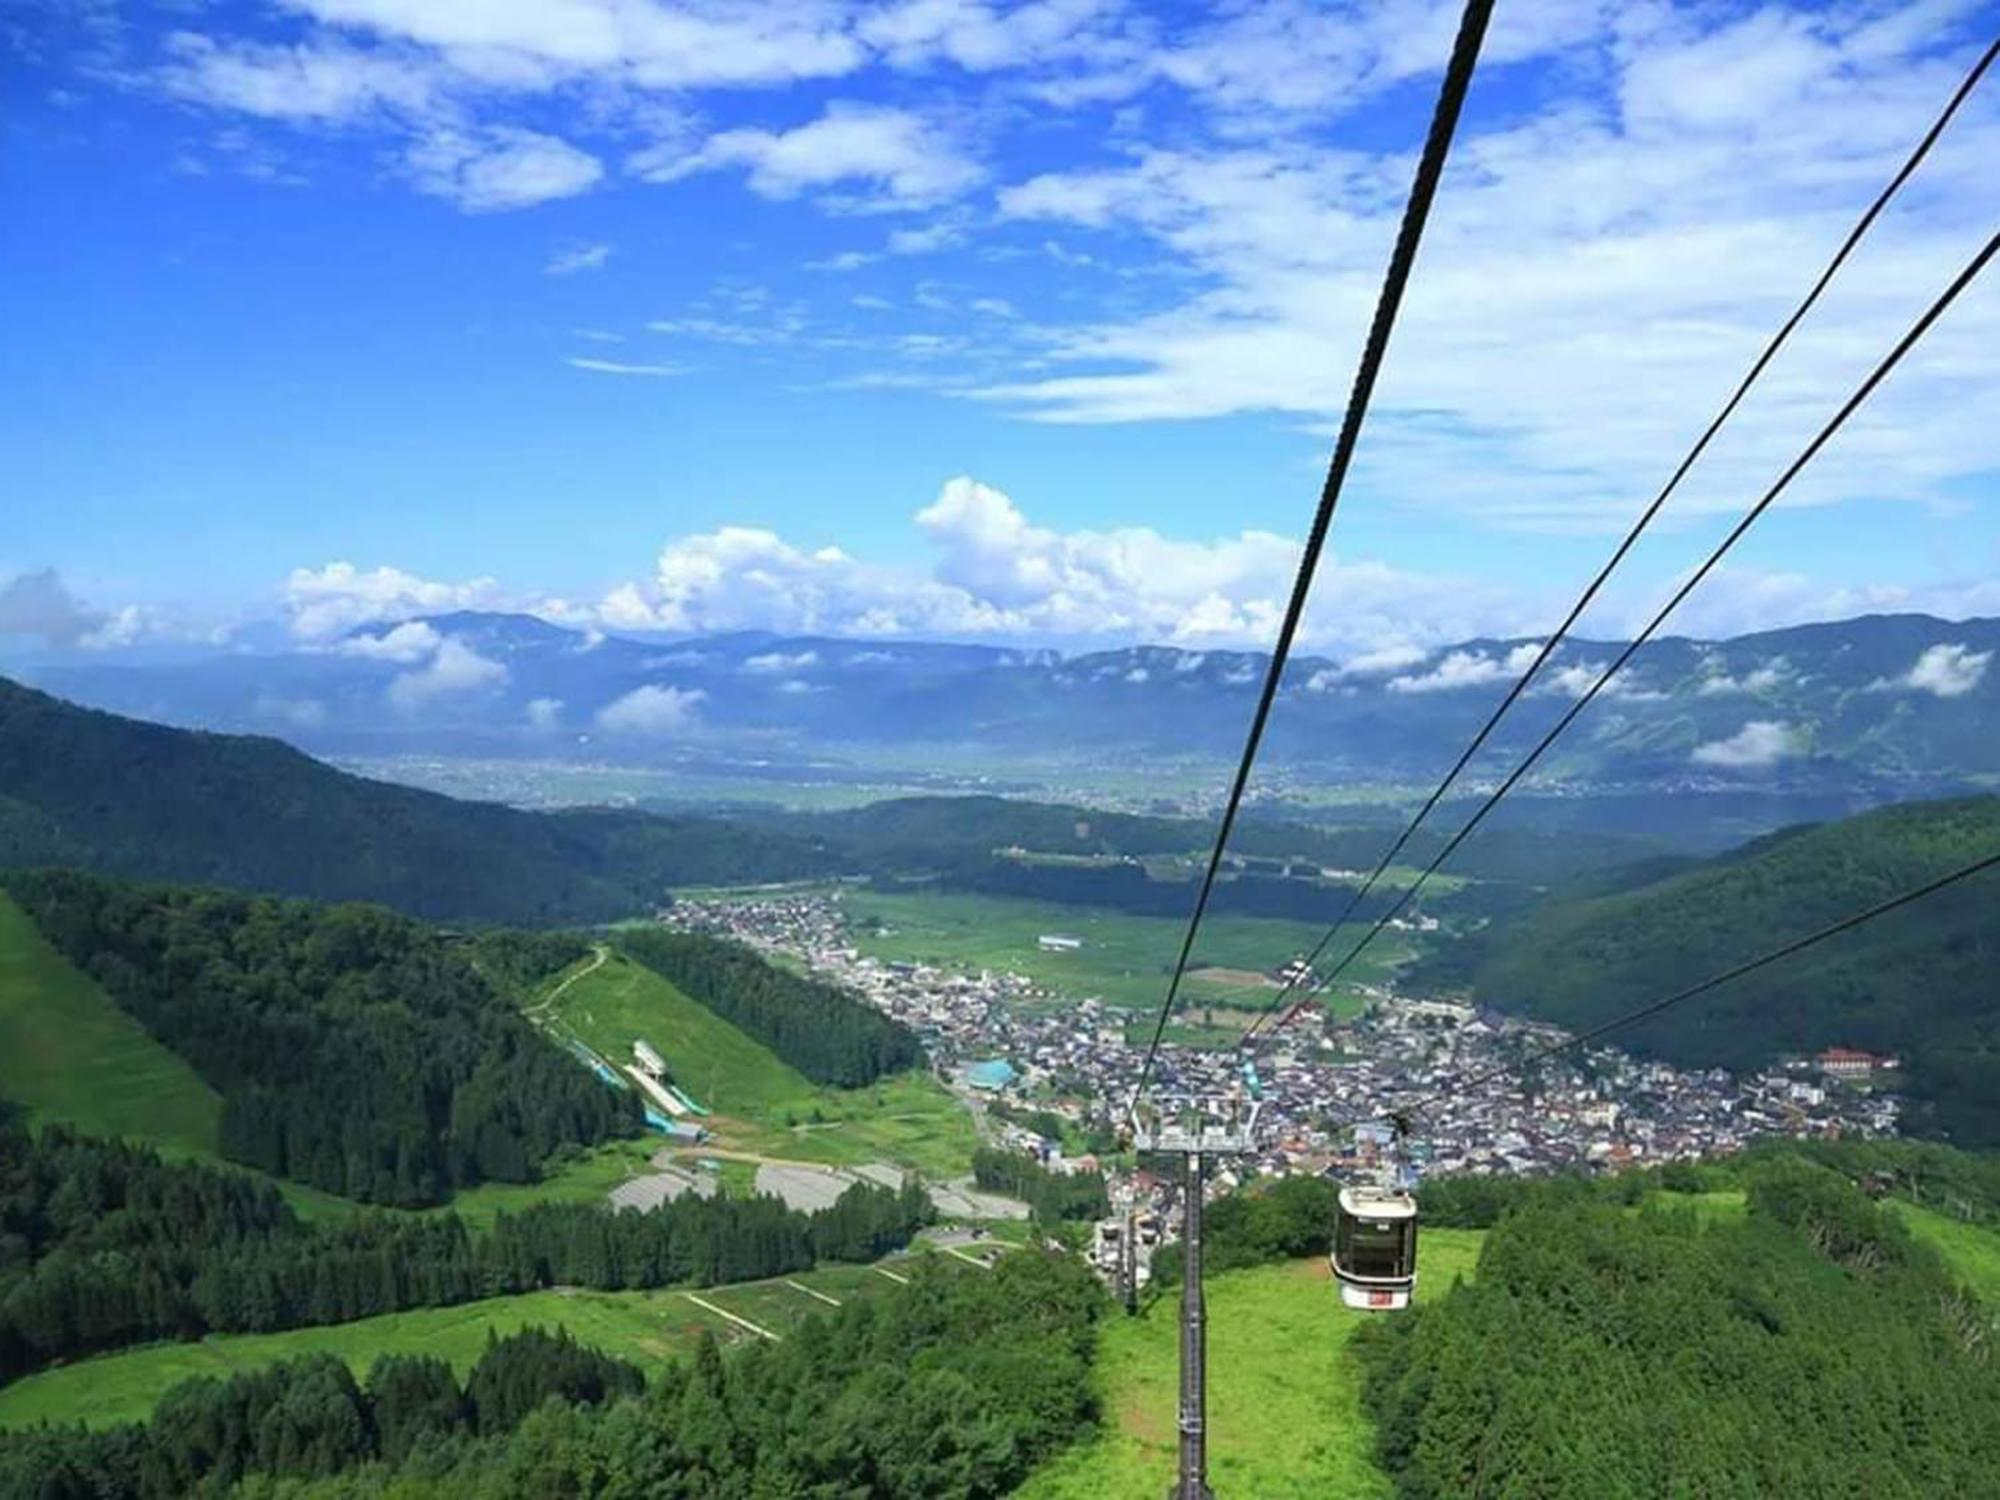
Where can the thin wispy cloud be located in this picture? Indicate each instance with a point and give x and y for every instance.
(620, 367)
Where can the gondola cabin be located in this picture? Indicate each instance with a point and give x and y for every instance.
(1375, 1247)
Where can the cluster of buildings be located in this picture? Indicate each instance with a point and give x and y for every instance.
(1478, 1110)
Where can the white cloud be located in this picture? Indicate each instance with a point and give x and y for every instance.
(329, 83)
(500, 167)
(544, 713)
(1464, 669)
(1948, 670)
(1759, 743)
(40, 605)
(652, 710)
(781, 661)
(325, 602)
(581, 258)
(640, 43)
(1757, 680)
(906, 160)
(1588, 230)
(621, 367)
(995, 573)
(411, 641)
(456, 668)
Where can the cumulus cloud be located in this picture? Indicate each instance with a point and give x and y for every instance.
(1758, 744)
(412, 641)
(899, 157)
(1948, 670)
(41, 606)
(500, 167)
(1717, 680)
(652, 710)
(994, 573)
(544, 713)
(1464, 669)
(454, 669)
(324, 602)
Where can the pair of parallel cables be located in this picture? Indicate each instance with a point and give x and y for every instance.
(1451, 99)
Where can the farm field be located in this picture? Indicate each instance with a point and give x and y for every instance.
(760, 1104)
(71, 1056)
(1124, 958)
(1284, 1401)
(648, 1328)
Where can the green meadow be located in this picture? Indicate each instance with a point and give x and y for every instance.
(72, 1057)
(760, 1103)
(648, 1328)
(1284, 1403)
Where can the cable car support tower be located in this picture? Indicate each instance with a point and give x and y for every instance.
(1194, 1129)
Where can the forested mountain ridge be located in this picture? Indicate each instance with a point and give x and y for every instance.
(96, 791)
(1922, 983)
(354, 1049)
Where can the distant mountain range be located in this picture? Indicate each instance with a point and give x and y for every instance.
(1880, 706)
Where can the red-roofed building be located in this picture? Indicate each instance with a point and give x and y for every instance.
(1845, 1062)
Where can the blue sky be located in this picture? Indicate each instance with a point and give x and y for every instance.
(940, 318)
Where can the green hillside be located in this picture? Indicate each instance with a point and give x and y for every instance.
(69, 1054)
(96, 791)
(759, 1103)
(647, 1328)
(1285, 1416)
(1923, 983)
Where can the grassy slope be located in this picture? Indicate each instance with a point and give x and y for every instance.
(760, 1103)
(1285, 1418)
(1971, 1250)
(1124, 959)
(645, 1327)
(73, 1057)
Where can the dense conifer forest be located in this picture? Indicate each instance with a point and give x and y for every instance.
(1811, 1348)
(354, 1049)
(103, 1244)
(817, 1027)
(954, 1386)
(309, 1417)
(1922, 984)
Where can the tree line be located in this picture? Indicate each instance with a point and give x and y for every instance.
(1813, 1347)
(354, 1049)
(308, 1417)
(1051, 1196)
(817, 1027)
(103, 1244)
(954, 1387)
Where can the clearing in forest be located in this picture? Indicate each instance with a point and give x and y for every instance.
(1284, 1399)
